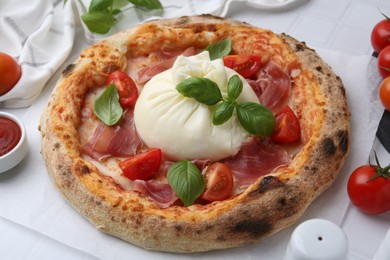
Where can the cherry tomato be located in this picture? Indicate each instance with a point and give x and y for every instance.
(370, 195)
(10, 73)
(245, 65)
(380, 35)
(126, 87)
(219, 182)
(384, 62)
(384, 93)
(287, 127)
(142, 166)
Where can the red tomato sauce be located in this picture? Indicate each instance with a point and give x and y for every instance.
(10, 135)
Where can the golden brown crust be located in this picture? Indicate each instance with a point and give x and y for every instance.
(272, 203)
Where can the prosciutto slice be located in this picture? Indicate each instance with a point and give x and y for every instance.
(145, 74)
(161, 193)
(272, 87)
(256, 158)
(120, 140)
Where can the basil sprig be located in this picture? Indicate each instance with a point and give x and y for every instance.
(219, 49)
(101, 13)
(186, 181)
(208, 94)
(253, 117)
(107, 107)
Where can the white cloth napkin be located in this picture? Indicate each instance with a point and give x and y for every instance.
(39, 34)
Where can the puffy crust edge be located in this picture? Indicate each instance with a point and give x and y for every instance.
(269, 205)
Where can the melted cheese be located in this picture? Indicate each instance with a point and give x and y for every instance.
(181, 126)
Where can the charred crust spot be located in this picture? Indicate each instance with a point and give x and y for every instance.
(178, 228)
(85, 169)
(343, 138)
(328, 146)
(95, 201)
(282, 201)
(209, 227)
(319, 69)
(300, 46)
(182, 20)
(314, 170)
(68, 70)
(56, 146)
(255, 228)
(268, 183)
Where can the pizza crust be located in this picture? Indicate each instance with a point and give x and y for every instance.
(272, 203)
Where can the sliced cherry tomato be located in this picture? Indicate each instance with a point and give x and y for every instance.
(245, 65)
(287, 127)
(380, 35)
(126, 87)
(219, 182)
(384, 93)
(369, 189)
(142, 166)
(384, 62)
(10, 73)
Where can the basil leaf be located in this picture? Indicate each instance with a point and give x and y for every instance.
(100, 5)
(98, 21)
(116, 11)
(223, 112)
(148, 4)
(219, 49)
(203, 90)
(107, 107)
(255, 118)
(234, 87)
(186, 181)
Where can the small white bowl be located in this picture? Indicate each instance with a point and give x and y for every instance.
(13, 157)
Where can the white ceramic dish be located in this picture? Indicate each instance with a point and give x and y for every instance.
(15, 156)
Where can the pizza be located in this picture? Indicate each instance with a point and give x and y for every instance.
(195, 133)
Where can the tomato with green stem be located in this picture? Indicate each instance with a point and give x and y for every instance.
(369, 188)
(380, 35)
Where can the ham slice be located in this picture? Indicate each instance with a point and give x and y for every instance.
(256, 158)
(159, 192)
(145, 74)
(120, 140)
(272, 87)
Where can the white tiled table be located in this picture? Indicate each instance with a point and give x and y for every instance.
(341, 25)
